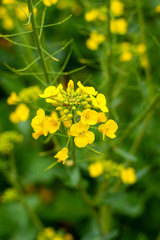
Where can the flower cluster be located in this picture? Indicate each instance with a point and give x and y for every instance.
(79, 109)
(25, 96)
(7, 141)
(111, 169)
(50, 234)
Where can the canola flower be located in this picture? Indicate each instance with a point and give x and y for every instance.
(126, 54)
(95, 40)
(26, 96)
(119, 26)
(7, 141)
(111, 169)
(49, 3)
(96, 14)
(117, 8)
(79, 109)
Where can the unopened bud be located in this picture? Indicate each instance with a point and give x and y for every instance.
(84, 103)
(66, 111)
(70, 115)
(59, 108)
(73, 108)
(78, 113)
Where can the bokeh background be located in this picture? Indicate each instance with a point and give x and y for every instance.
(123, 64)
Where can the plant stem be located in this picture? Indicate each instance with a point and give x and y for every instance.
(37, 41)
(73, 151)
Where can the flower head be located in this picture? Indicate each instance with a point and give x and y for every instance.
(119, 26)
(117, 7)
(87, 90)
(108, 129)
(128, 175)
(62, 155)
(12, 99)
(96, 169)
(49, 3)
(83, 137)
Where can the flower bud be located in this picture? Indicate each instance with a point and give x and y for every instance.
(66, 111)
(84, 103)
(78, 113)
(59, 108)
(73, 108)
(70, 115)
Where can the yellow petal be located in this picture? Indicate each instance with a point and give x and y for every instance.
(81, 141)
(91, 136)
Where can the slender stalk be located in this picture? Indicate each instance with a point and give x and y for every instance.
(73, 151)
(37, 41)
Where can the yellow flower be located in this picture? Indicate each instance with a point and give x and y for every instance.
(117, 8)
(39, 124)
(141, 48)
(81, 134)
(101, 117)
(109, 128)
(91, 15)
(51, 91)
(87, 90)
(119, 26)
(21, 114)
(95, 40)
(157, 9)
(12, 99)
(128, 175)
(42, 124)
(100, 102)
(126, 56)
(49, 3)
(7, 23)
(89, 116)
(96, 169)
(62, 155)
(7, 1)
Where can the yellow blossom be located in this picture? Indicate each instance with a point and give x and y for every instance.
(96, 169)
(7, 1)
(101, 117)
(81, 134)
(91, 15)
(21, 114)
(128, 176)
(117, 8)
(157, 9)
(100, 102)
(42, 124)
(144, 61)
(95, 40)
(89, 117)
(62, 155)
(126, 56)
(12, 99)
(49, 3)
(141, 48)
(3, 12)
(51, 92)
(7, 23)
(109, 128)
(119, 26)
(87, 90)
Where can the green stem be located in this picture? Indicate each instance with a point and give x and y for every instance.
(73, 151)
(37, 41)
